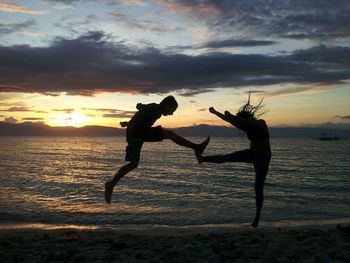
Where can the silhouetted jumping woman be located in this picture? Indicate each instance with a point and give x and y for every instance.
(140, 130)
(259, 153)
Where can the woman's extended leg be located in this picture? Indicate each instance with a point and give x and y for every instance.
(245, 156)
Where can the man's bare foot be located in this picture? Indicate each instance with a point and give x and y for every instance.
(108, 191)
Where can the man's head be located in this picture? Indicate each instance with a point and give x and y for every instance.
(168, 105)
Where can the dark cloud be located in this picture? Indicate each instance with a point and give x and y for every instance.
(237, 43)
(12, 28)
(344, 117)
(92, 64)
(254, 91)
(110, 110)
(317, 25)
(116, 115)
(144, 25)
(298, 19)
(19, 109)
(228, 43)
(64, 1)
(311, 19)
(322, 54)
(191, 93)
(75, 25)
(289, 90)
(10, 120)
(113, 113)
(32, 119)
(64, 110)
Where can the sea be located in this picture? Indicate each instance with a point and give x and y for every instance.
(60, 181)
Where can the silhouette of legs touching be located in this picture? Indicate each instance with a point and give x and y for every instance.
(186, 143)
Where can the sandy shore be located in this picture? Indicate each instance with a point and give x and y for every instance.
(222, 243)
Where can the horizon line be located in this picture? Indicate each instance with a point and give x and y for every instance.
(319, 125)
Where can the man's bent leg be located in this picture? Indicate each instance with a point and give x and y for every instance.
(124, 170)
(109, 186)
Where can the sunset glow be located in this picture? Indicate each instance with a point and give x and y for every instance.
(175, 130)
(75, 119)
(77, 63)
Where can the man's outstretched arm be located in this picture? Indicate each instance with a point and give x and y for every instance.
(124, 123)
(140, 106)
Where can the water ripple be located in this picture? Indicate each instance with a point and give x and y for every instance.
(60, 181)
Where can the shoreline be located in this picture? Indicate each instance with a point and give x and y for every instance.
(156, 229)
(206, 243)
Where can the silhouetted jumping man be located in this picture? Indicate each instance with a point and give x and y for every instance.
(140, 130)
(259, 153)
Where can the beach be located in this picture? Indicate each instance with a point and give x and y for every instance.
(327, 243)
(174, 210)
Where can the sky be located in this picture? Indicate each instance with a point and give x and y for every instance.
(81, 62)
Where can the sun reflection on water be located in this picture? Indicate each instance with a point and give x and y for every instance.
(61, 181)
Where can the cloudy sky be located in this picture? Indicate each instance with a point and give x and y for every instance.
(81, 62)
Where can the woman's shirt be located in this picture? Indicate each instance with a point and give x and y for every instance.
(259, 137)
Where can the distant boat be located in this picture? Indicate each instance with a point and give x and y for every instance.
(324, 137)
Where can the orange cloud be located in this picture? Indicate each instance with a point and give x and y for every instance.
(13, 8)
(183, 7)
(296, 90)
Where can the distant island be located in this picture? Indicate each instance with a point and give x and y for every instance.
(38, 129)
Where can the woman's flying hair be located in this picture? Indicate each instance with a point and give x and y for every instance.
(249, 111)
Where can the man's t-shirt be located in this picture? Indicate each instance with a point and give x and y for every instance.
(143, 120)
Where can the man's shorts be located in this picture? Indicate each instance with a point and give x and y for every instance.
(133, 149)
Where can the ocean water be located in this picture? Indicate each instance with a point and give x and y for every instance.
(59, 180)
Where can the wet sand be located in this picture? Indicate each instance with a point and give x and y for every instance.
(221, 243)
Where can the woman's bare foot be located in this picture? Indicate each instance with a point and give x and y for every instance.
(255, 222)
(200, 149)
(199, 157)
